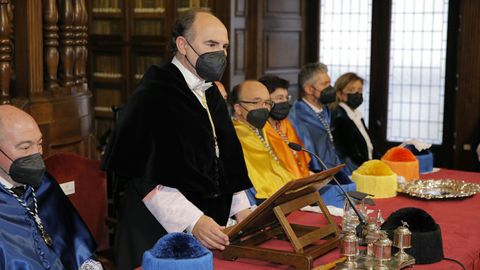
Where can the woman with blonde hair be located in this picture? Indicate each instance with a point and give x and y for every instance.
(352, 139)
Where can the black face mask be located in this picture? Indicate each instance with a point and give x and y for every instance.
(257, 117)
(354, 100)
(328, 95)
(280, 110)
(27, 170)
(211, 65)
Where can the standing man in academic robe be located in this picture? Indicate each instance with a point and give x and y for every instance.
(177, 149)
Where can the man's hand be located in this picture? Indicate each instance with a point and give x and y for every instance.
(210, 234)
(242, 214)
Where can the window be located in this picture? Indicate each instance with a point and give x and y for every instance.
(417, 70)
(417, 62)
(345, 36)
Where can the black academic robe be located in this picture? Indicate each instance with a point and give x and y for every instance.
(349, 142)
(164, 136)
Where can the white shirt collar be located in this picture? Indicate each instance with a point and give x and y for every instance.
(351, 113)
(193, 81)
(197, 85)
(315, 109)
(5, 183)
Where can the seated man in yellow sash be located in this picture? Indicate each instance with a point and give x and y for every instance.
(280, 131)
(251, 105)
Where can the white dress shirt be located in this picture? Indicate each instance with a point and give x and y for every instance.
(168, 205)
(315, 109)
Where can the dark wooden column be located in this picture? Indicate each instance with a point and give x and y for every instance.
(45, 82)
(80, 19)
(467, 99)
(67, 55)
(29, 48)
(50, 20)
(5, 50)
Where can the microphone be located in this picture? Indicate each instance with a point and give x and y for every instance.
(298, 147)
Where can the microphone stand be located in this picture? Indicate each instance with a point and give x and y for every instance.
(361, 218)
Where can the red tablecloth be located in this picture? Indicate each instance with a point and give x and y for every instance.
(459, 220)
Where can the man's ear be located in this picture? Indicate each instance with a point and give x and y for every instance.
(308, 89)
(236, 109)
(181, 43)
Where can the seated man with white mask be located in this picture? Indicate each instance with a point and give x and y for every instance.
(40, 229)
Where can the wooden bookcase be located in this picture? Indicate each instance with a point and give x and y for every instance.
(126, 37)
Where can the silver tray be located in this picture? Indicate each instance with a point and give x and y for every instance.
(440, 189)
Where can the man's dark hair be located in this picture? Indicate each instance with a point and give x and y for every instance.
(272, 82)
(182, 27)
(306, 75)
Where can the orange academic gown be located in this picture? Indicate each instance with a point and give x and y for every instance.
(295, 162)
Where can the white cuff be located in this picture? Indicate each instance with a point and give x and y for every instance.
(239, 202)
(174, 212)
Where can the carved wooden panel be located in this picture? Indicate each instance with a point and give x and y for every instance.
(282, 50)
(239, 52)
(66, 124)
(283, 39)
(240, 7)
(238, 38)
(283, 7)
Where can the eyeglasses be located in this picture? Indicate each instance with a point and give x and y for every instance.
(260, 103)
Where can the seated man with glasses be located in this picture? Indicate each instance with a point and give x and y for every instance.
(280, 131)
(251, 105)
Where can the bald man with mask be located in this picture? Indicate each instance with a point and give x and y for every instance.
(251, 105)
(176, 148)
(40, 229)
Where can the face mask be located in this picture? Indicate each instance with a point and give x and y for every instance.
(27, 170)
(328, 95)
(257, 117)
(211, 65)
(280, 110)
(354, 100)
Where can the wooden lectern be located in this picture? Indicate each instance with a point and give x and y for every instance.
(269, 221)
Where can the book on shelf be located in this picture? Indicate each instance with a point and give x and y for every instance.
(106, 27)
(142, 62)
(107, 10)
(149, 4)
(108, 67)
(148, 27)
(183, 5)
(149, 10)
(106, 4)
(107, 97)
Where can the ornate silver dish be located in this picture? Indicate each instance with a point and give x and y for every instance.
(440, 189)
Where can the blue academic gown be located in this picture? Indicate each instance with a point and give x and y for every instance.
(314, 135)
(21, 245)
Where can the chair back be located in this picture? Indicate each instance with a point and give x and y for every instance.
(86, 187)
